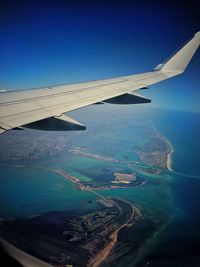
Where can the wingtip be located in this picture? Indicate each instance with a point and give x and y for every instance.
(197, 34)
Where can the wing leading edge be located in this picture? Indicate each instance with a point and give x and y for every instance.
(38, 108)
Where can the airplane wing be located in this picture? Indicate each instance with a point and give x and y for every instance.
(44, 108)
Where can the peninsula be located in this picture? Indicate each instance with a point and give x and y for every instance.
(84, 240)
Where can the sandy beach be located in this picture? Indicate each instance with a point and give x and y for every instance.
(169, 161)
(170, 149)
(99, 258)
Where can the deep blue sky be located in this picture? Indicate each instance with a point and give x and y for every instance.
(53, 42)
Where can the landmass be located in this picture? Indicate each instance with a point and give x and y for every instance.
(156, 155)
(84, 240)
(124, 178)
(80, 151)
(152, 148)
(94, 234)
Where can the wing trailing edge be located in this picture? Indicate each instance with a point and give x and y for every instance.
(57, 123)
(130, 98)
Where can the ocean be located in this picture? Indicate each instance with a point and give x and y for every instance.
(171, 200)
(180, 241)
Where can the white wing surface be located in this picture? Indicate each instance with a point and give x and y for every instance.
(43, 108)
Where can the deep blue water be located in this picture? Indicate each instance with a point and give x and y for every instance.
(183, 130)
(180, 241)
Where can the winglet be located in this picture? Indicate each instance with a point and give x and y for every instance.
(179, 61)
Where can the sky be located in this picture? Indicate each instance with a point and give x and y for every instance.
(53, 42)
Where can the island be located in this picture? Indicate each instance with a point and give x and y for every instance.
(121, 180)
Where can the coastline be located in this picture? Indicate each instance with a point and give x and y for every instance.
(169, 156)
(170, 149)
(169, 161)
(104, 254)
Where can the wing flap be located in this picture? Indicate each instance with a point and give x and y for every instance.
(129, 98)
(56, 123)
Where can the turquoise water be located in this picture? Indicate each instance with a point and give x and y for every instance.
(171, 199)
(179, 243)
(27, 192)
